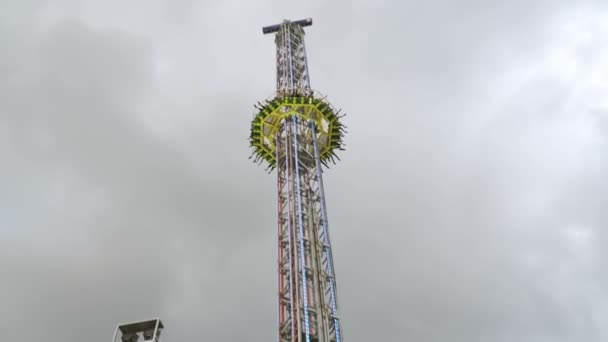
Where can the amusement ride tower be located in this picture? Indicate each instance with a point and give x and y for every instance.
(297, 133)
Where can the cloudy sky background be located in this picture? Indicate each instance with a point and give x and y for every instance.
(470, 204)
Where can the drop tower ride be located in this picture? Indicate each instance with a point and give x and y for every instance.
(297, 133)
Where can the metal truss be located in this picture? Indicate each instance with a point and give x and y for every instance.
(292, 65)
(308, 309)
(294, 134)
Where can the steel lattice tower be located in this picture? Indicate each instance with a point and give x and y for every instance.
(297, 133)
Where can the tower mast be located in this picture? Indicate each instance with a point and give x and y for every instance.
(297, 133)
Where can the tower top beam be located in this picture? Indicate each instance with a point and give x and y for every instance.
(275, 28)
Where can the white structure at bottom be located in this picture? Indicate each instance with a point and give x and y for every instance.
(142, 331)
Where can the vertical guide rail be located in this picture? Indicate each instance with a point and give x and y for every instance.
(292, 89)
(327, 242)
(293, 216)
(281, 224)
(292, 307)
(286, 277)
(301, 228)
(300, 65)
(305, 57)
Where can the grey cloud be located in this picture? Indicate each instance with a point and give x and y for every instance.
(460, 211)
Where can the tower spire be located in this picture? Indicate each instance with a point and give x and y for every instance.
(292, 66)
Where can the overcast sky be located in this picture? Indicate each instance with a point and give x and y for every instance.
(470, 204)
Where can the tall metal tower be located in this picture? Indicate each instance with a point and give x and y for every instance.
(297, 133)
